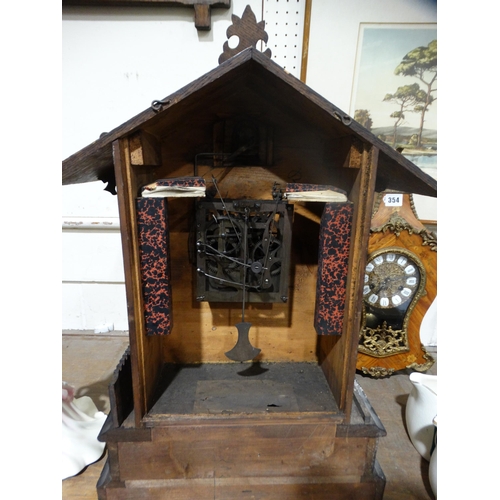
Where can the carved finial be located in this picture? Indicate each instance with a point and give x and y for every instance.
(249, 32)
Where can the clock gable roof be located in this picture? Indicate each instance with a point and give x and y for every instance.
(249, 80)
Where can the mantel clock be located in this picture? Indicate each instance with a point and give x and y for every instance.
(399, 286)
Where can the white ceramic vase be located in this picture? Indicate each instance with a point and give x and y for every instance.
(81, 424)
(421, 408)
(433, 464)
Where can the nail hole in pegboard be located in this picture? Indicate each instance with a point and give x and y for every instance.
(286, 23)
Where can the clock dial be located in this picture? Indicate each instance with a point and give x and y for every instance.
(391, 279)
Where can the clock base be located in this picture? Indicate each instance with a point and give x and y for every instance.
(260, 434)
(314, 488)
(371, 366)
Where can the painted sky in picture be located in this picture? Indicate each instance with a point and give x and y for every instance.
(381, 48)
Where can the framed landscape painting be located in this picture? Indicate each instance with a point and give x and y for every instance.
(394, 91)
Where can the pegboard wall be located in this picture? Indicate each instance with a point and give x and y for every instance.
(285, 28)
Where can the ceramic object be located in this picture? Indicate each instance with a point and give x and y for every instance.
(433, 463)
(428, 327)
(421, 408)
(81, 424)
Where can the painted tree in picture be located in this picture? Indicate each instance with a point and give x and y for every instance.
(409, 98)
(422, 64)
(363, 117)
(394, 90)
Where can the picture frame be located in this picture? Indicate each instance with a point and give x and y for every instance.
(394, 92)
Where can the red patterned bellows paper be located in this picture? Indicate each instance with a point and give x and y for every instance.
(333, 260)
(152, 221)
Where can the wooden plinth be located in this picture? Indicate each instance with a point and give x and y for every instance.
(241, 431)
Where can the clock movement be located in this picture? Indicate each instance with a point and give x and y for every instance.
(243, 248)
(243, 255)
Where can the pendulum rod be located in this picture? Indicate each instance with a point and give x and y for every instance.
(243, 350)
(245, 236)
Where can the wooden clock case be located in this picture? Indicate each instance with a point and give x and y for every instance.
(185, 421)
(398, 227)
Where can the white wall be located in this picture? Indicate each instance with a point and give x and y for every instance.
(116, 61)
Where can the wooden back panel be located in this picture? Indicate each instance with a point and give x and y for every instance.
(204, 331)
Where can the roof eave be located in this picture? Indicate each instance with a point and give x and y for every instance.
(93, 161)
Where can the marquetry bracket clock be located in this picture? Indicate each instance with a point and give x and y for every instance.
(400, 284)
